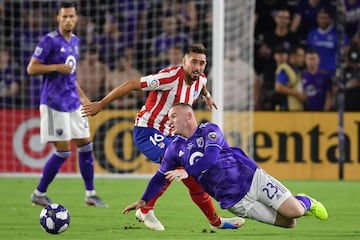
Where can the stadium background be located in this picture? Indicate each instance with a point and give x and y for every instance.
(289, 145)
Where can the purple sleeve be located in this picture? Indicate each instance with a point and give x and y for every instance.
(170, 161)
(154, 186)
(43, 49)
(210, 156)
(157, 182)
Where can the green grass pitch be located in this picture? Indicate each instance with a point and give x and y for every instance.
(182, 219)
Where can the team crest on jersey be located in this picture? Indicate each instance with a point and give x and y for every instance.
(196, 93)
(38, 51)
(154, 83)
(212, 136)
(200, 142)
(59, 132)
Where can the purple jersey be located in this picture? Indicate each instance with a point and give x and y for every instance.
(59, 90)
(227, 178)
(316, 86)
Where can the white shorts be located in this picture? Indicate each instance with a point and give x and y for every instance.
(62, 126)
(264, 198)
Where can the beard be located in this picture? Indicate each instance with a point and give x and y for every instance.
(193, 77)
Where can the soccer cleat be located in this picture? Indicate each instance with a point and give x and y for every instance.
(40, 200)
(229, 223)
(317, 209)
(149, 219)
(95, 201)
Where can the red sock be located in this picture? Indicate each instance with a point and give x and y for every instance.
(203, 200)
(150, 204)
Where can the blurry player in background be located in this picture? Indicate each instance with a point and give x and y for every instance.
(152, 133)
(317, 84)
(55, 57)
(227, 174)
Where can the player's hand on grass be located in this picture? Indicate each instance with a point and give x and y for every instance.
(91, 109)
(177, 174)
(134, 206)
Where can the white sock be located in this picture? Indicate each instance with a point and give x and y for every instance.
(38, 193)
(90, 193)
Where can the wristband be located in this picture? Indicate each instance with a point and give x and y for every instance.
(208, 95)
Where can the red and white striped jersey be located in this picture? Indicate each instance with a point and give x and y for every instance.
(167, 87)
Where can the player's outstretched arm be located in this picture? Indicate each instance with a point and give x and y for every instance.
(134, 206)
(93, 108)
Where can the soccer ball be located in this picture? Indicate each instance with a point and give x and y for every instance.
(54, 218)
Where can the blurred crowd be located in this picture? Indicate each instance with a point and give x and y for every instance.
(297, 54)
(296, 50)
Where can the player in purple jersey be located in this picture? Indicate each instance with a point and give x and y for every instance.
(227, 174)
(152, 132)
(61, 122)
(317, 84)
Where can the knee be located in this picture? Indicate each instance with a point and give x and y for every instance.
(297, 212)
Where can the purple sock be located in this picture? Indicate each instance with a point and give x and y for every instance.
(305, 201)
(51, 168)
(86, 163)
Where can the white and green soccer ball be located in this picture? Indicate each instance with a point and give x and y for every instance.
(54, 218)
